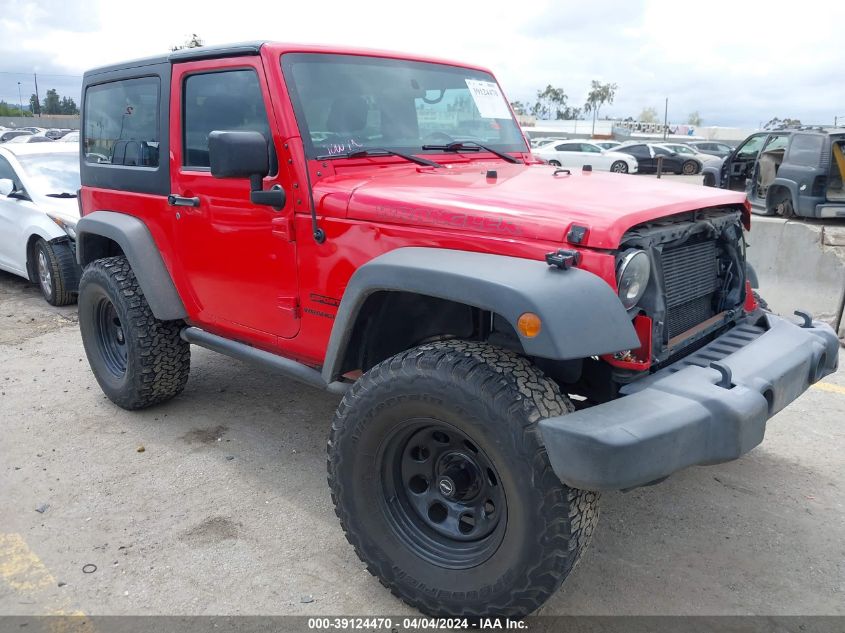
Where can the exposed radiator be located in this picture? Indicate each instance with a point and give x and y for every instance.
(690, 276)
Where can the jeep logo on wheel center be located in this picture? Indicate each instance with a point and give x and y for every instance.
(400, 191)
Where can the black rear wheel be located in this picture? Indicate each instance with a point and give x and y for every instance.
(443, 486)
(138, 360)
(689, 168)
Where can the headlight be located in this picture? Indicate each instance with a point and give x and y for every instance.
(68, 226)
(632, 273)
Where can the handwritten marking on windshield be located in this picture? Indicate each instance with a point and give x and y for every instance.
(342, 148)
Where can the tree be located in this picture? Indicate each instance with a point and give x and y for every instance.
(34, 106)
(648, 115)
(519, 107)
(195, 41)
(68, 106)
(7, 109)
(599, 95)
(780, 124)
(51, 104)
(551, 103)
(694, 118)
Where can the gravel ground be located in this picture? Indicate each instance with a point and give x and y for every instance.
(216, 503)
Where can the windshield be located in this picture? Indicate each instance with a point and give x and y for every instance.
(346, 103)
(51, 173)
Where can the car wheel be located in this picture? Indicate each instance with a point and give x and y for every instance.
(138, 360)
(442, 484)
(785, 209)
(55, 271)
(554, 163)
(689, 168)
(619, 167)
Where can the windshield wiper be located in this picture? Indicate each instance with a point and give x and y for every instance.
(381, 151)
(63, 194)
(471, 146)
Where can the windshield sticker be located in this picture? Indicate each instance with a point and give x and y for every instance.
(488, 99)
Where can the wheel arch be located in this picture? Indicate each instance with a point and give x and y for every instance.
(107, 233)
(581, 314)
(780, 190)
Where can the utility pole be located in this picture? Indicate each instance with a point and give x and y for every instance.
(37, 98)
(666, 119)
(20, 99)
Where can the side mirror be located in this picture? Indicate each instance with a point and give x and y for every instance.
(6, 186)
(242, 154)
(238, 154)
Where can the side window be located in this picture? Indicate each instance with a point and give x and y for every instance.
(806, 149)
(227, 100)
(121, 123)
(586, 147)
(569, 147)
(659, 151)
(751, 147)
(6, 171)
(640, 151)
(776, 142)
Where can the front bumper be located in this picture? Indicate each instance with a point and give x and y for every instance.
(680, 416)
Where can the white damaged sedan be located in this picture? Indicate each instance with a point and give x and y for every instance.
(38, 216)
(576, 154)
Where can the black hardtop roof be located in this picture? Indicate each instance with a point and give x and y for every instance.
(183, 55)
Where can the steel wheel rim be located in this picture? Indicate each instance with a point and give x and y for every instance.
(111, 338)
(45, 278)
(441, 494)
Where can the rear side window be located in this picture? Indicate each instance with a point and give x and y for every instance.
(122, 123)
(806, 149)
(568, 147)
(227, 100)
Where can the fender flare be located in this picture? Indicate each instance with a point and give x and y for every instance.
(139, 247)
(581, 314)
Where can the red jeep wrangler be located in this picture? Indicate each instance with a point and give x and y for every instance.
(508, 338)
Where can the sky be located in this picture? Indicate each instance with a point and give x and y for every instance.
(736, 64)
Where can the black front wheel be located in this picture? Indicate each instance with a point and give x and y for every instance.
(55, 271)
(689, 168)
(619, 167)
(443, 486)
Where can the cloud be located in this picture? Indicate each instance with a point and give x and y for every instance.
(737, 64)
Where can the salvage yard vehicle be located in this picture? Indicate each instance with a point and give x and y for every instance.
(648, 153)
(38, 215)
(579, 153)
(789, 172)
(508, 338)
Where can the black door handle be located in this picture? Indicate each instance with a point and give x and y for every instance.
(180, 201)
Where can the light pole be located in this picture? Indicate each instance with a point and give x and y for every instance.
(20, 99)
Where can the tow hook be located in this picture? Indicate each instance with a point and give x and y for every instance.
(808, 318)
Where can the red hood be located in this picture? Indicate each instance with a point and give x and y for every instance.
(520, 201)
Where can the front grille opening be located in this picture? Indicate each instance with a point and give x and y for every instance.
(690, 278)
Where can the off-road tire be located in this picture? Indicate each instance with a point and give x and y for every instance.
(496, 398)
(157, 361)
(61, 272)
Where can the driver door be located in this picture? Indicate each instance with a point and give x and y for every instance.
(740, 164)
(12, 211)
(239, 258)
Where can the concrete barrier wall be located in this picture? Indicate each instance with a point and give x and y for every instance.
(46, 121)
(801, 265)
